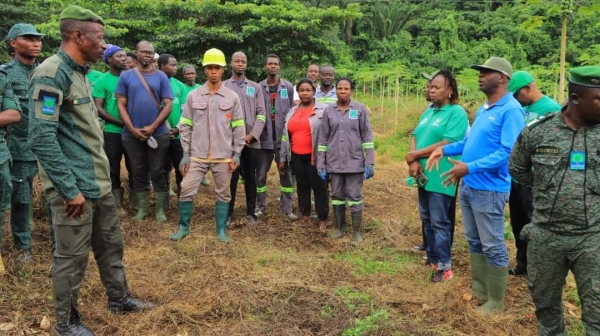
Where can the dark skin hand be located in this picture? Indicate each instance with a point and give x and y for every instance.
(249, 139)
(173, 132)
(74, 208)
(232, 166)
(282, 168)
(414, 168)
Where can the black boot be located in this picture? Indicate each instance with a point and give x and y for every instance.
(339, 212)
(357, 223)
(73, 328)
(128, 304)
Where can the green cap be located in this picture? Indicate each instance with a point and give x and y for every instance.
(499, 64)
(80, 14)
(588, 76)
(428, 76)
(21, 29)
(519, 80)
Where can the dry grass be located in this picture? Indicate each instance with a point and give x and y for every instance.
(275, 278)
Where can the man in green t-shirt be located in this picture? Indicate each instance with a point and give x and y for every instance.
(189, 76)
(106, 103)
(520, 201)
(93, 76)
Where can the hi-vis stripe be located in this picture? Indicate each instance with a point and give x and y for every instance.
(187, 121)
(322, 148)
(351, 203)
(327, 100)
(368, 145)
(261, 189)
(261, 117)
(237, 123)
(338, 202)
(283, 138)
(287, 190)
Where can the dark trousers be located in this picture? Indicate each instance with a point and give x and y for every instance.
(174, 157)
(113, 147)
(249, 163)
(520, 204)
(307, 178)
(146, 160)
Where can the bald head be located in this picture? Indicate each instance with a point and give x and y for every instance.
(239, 64)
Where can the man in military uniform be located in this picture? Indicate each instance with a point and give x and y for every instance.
(520, 203)
(65, 135)
(10, 113)
(557, 156)
(27, 42)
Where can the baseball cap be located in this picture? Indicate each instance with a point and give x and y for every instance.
(499, 64)
(519, 80)
(21, 29)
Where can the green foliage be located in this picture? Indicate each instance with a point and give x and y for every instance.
(365, 262)
(367, 324)
(352, 298)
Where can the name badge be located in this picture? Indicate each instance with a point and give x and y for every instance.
(353, 114)
(577, 160)
(250, 91)
(284, 94)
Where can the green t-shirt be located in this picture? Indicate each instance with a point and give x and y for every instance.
(179, 96)
(541, 107)
(436, 124)
(93, 76)
(189, 89)
(105, 88)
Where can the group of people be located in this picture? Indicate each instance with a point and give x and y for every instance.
(78, 125)
(526, 150)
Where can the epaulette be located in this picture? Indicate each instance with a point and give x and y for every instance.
(539, 120)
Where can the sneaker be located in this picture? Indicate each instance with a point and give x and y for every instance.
(128, 304)
(25, 258)
(250, 220)
(428, 263)
(442, 276)
(291, 216)
(419, 248)
(259, 213)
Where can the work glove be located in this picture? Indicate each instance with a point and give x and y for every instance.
(184, 164)
(369, 171)
(236, 159)
(322, 174)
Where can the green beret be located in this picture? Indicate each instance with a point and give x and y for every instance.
(586, 76)
(80, 14)
(519, 80)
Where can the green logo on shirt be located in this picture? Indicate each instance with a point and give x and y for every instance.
(48, 105)
(353, 114)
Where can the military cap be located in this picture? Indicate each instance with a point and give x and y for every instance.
(21, 29)
(588, 76)
(428, 76)
(80, 14)
(499, 64)
(519, 80)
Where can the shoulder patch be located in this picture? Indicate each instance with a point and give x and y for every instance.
(538, 121)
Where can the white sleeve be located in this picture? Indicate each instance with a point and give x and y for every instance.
(296, 96)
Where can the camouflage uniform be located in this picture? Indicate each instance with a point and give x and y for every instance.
(564, 233)
(65, 135)
(24, 166)
(7, 102)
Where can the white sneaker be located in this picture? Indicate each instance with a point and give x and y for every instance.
(259, 213)
(250, 220)
(291, 216)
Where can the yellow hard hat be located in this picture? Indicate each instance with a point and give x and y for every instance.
(214, 56)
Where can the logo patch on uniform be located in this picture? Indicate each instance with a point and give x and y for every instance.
(437, 122)
(284, 94)
(577, 160)
(547, 150)
(424, 121)
(48, 105)
(353, 114)
(228, 115)
(250, 91)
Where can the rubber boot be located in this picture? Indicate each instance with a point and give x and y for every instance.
(222, 211)
(479, 275)
(141, 200)
(162, 201)
(132, 201)
(357, 223)
(118, 195)
(339, 211)
(497, 277)
(185, 215)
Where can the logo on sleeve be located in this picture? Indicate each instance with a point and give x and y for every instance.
(250, 91)
(48, 105)
(353, 115)
(284, 94)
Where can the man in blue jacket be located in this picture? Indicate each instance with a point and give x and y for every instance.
(486, 181)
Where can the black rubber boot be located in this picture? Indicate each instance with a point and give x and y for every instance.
(357, 223)
(339, 211)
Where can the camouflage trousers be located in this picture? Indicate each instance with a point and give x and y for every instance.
(22, 174)
(5, 191)
(99, 229)
(550, 257)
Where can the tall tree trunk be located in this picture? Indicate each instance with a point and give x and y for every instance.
(563, 55)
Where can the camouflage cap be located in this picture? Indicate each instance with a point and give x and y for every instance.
(21, 29)
(588, 76)
(499, 64)
(80, 14)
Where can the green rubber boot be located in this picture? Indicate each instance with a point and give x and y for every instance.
(141, 200)
(162, 201)
(185, 215)
(339, 212)
(479, 275)
(222, 212)
(357, 223)
(118, 195)
(19, 223)
(498, 277)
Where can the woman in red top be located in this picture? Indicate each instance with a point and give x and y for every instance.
(299, 149)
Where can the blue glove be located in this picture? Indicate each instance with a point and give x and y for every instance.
(322, 174)
(369, 171)
(236, 159)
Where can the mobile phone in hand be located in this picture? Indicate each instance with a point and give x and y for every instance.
(421, 179)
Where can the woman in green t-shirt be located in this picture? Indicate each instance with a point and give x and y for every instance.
(443, 122)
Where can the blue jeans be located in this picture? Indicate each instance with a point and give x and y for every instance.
(434, 208)
(483, 218)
